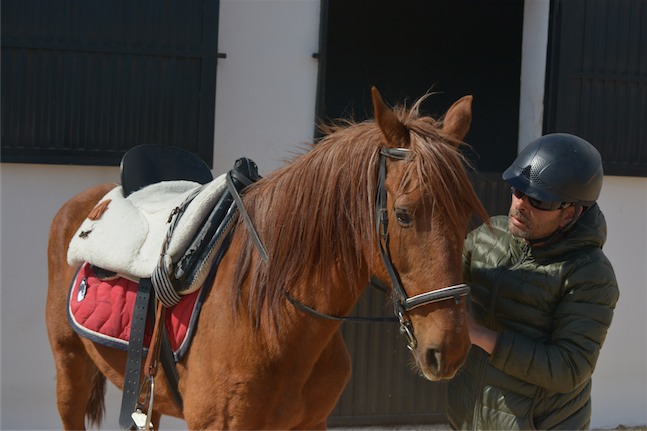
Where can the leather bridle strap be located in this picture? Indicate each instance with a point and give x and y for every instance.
(401, 302)
(382, 226)
(357, 319)
(382, 219)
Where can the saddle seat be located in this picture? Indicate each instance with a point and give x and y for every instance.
(149, 164)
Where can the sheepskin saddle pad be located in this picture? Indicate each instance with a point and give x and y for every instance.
(127, 235)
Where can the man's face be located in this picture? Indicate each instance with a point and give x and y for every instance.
(529, 223)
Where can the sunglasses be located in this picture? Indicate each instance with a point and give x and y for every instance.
(540, 205)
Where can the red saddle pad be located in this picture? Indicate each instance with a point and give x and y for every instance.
(102, 310)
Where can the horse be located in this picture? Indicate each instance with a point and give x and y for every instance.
(257, 361)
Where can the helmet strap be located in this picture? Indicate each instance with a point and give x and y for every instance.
(579, 210)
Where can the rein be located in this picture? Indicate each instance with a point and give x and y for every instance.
(402, 303)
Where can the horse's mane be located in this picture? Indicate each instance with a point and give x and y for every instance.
(318, 212)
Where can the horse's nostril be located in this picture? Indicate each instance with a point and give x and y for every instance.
(434, 359)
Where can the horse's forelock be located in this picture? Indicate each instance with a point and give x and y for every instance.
(440, 174)
(440, 168)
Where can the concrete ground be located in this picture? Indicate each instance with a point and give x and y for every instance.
(446, 427)
(425, 427)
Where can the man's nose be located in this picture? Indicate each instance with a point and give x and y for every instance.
(521, 204)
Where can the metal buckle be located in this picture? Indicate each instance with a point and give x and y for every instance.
(406, 329)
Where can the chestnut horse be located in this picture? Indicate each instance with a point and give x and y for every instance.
(256, 360)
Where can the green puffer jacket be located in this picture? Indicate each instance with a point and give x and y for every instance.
(552, 307)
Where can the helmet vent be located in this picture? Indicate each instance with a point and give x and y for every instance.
(532, 172)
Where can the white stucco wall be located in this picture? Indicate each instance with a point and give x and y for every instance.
(266, 89)
(620, 379)
(264, 107)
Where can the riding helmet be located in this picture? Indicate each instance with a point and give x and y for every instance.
(558, 167)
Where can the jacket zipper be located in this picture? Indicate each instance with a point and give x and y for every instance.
(492, 323)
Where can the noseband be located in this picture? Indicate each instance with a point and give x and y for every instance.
(402, 303)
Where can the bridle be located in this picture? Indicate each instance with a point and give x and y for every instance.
(402, 303)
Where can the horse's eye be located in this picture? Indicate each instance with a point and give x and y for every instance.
(404, 218)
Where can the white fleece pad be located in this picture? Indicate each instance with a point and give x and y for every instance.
(128, 237)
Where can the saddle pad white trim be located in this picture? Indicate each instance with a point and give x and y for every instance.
(128, 236)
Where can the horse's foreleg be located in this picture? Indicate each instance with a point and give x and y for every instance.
(326, 384)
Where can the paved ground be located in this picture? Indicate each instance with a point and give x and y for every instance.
(446, 427)
(426, 427)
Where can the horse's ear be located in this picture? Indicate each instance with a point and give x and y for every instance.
(396, 134)
(458, 118)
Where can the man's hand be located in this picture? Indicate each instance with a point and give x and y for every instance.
(481, 336)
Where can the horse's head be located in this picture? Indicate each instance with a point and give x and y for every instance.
(402, 176)
(427, 202)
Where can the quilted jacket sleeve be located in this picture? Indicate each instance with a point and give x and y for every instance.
(580, 325)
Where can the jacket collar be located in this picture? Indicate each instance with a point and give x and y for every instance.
(590, 230)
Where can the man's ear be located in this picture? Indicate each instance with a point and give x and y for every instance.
(571, 213)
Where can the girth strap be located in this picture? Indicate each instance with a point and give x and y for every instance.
(134, 356)
(132, 375)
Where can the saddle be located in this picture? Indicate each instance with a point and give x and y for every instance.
(165, 227)
(168, 204)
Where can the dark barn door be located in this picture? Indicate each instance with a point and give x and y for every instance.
(597, 79)
(83, 81)
(446, 47)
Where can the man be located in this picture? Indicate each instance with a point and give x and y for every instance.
(543, 295)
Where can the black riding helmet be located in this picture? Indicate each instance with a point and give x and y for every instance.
(558, 168)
